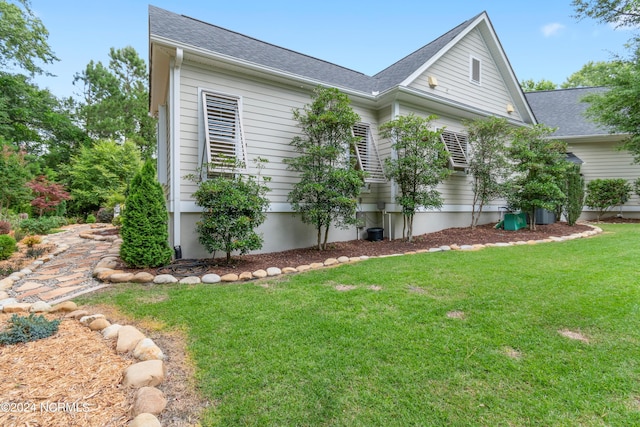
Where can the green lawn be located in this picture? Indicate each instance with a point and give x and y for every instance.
(299, 352)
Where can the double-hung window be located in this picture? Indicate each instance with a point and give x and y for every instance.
(367, 154)
(456, 145)
(225, 145)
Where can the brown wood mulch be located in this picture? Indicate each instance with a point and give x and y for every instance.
(69, 379)
(355, 248)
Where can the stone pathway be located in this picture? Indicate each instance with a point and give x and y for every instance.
(66, 273)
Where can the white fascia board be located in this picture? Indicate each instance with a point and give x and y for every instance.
(292, 78)
(442, 51)
(408, 92)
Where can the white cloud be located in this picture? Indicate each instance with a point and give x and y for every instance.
(552, 29)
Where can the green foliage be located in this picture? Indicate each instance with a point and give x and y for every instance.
(488, 163)
(597, 73)
(145, 235)
(618, 109)
(533, 86)
(233, 206)
(574, 190)
(329, 185)
(42, 225)
(421, 164)
(37, 122)
(23, 38)
(7, 246)
(96, 173)
(619, 13)
(25, 329)
(13, 177)
(116, 100)
(604, 194)
(91, 219)
(539, 165)
(636, 186)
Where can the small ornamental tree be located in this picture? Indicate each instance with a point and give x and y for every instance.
(574, 191)
(604, 194)
(539, 165)
(233, 206)
(488, 163)
(329, 186)
(421, 164)
(48, 195)
(145, 236)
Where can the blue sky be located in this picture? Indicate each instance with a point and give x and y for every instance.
(541, 39)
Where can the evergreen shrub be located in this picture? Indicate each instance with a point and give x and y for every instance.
(7, 246)
(144, 231)
(25, 329)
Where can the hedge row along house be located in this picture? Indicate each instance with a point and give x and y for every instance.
(216, 91)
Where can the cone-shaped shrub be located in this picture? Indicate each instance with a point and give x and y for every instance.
(145, 237)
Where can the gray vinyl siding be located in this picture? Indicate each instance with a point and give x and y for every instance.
(453, 74)
(603, 160)
(267, 125)
(267, 121)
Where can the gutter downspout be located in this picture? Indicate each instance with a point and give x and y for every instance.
(175, 145)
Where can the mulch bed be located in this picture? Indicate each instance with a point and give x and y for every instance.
(71, 378)
(354, 248)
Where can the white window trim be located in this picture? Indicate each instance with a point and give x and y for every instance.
(471, 61)
(367, 154)
(240, 146)
(457, 145)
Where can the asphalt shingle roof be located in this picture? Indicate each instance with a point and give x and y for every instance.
(193, 32)
(564, 109)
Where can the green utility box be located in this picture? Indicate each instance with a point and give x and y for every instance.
(513, 222)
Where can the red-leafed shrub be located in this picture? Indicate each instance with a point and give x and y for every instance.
(5, 227)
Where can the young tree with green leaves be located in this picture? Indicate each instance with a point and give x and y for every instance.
(420, 164)
(95, 174)
(233, 206)
(329, 184)
(539, 165)
(604, 194)
(488, 163)
(145, 234)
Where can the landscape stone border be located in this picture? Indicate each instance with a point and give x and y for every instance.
(150, 370)
(106, 269)
(145, 375)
